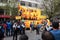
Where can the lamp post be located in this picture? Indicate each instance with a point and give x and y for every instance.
(10, 7)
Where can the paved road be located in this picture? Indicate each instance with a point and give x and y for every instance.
(32, 36)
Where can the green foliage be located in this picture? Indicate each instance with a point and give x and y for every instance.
(10, 8)
(54, 8)
(56, 5)
(14, 11)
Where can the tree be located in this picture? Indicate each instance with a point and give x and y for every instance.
(51, 7)
(11, 9)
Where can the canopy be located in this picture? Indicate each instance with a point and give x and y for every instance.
(4, 16)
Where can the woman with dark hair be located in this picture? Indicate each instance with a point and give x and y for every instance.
(23, 37)
(47, 36)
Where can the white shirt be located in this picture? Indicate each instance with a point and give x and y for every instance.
(14, 25)
(23, 26)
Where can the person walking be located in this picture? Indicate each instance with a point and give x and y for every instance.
(5, 27)
(23, 28)
(37, 28)
(31, 26)
(15, 31)
(8, 28)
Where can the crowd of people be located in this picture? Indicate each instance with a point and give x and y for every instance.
(8, 28)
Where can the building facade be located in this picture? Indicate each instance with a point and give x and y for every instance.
(32, 3)
(7, 8)
(28, 3)
(7, 4)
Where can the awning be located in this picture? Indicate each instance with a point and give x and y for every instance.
(4, 16)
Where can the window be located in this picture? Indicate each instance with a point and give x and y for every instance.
(1, 11)
(3, 0)
(22, 3)
(35, 5)
(30, 4)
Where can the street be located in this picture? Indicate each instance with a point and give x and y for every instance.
(32, 36)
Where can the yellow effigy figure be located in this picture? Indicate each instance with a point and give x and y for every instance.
(19, 7)
(27, 23)
(27, 15)
(24, 13)
(31, 15)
